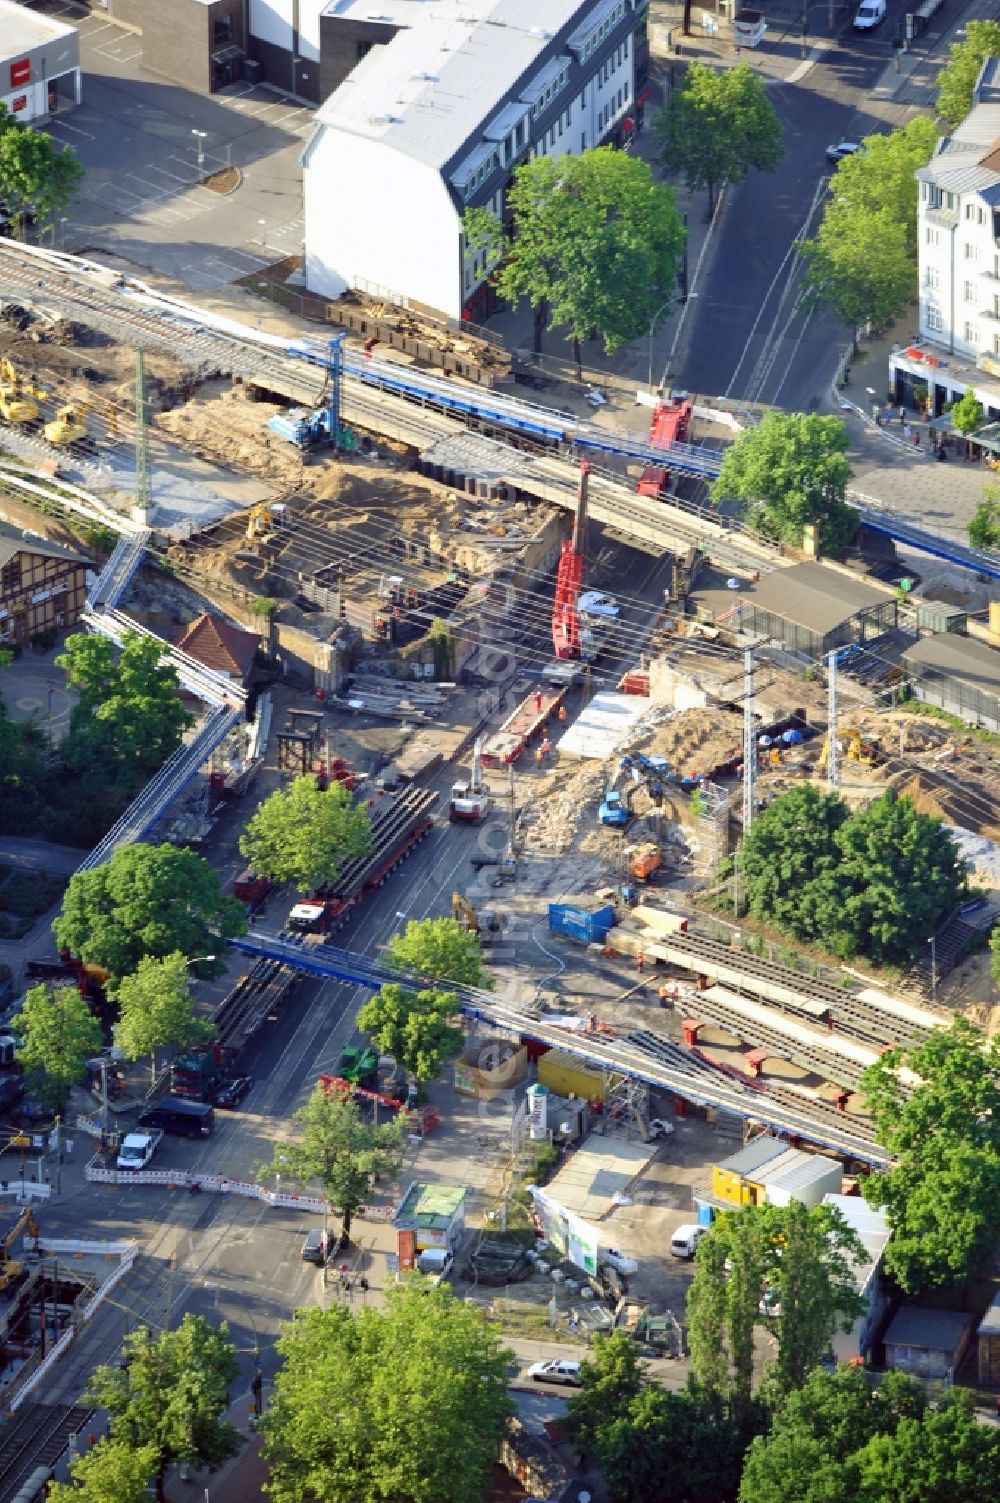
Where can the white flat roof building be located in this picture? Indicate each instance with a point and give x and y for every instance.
(872, 1230)
(39, 64)
(435, 118)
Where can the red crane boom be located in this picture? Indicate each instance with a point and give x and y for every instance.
(565, 618)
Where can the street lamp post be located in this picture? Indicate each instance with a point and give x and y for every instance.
(652, 325)
(201, 134)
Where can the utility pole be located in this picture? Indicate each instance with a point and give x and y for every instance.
(749, 743)
(832, 714)
(141, 435)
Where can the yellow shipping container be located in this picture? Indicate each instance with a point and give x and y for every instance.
(564, 1074)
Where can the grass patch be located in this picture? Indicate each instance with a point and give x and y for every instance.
(30, 894)
(918, 707)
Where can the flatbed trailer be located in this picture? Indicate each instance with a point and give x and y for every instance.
(398, 821)
(531, 716)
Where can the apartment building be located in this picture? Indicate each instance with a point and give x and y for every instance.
(433, 117)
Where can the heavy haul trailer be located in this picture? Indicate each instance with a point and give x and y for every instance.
(398, 822)
(507, 744)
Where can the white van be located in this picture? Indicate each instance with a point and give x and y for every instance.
(684, 1242)
(436, 1262)
(870, 13)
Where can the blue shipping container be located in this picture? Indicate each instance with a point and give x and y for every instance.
(577, 923)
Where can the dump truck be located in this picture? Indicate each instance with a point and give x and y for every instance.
(398, 822)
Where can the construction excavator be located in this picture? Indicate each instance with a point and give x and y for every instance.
(19, 398)
(10, 1268)
(470, 798)
(68, 426)
(855, 747)
(260, 520)
(485, 924)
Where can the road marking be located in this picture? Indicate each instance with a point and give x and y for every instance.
(65, 125)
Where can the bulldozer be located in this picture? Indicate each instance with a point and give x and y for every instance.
(68, 426)
(10, 1268)
(18, 398)
(857, 749)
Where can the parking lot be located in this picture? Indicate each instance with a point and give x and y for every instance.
(147, 143)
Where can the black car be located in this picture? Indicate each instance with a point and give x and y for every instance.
(231, 1094)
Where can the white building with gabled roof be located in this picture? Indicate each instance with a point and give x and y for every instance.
(435, 119)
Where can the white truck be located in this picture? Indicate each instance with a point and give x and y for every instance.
(137, 1148)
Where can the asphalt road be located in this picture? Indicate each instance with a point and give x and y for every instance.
(750, 340)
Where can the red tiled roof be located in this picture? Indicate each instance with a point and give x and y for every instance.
(218, 645)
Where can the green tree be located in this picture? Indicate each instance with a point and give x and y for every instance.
(611, 1378)
(718, 124)
(808, 1455)
(112, 1472)
(170, 1394)
(940, 1120)
(901, 873)
(793, 470)
(439, 949)
(34, 176)
(957, 78)
(156, 1009)
(23, 767)
(815, 1283)
(148, 900)
(967, 414)
(415, 1027)
(127, 714)
(671, 1448)
(406, 1403)
(984, 528)
(707, 1304)
(597, 245)
(860, 265)
(338, 1151)
(882, 176)
(58, 1035)
(789, 859)
(303, 836)
(944, 1455)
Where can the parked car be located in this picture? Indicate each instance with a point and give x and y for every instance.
(841, 149)
(684, 1242)
(869, 14)
(233, 1091)
(556, 1371)
(30, 1112)
(314, 1248)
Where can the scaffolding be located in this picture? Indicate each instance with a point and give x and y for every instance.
(626, 1104)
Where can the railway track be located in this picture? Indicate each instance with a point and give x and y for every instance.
(37, 1437)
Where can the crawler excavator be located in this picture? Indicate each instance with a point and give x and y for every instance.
(855, 746)
(18, 398)
(10, 1268)
(68, 426)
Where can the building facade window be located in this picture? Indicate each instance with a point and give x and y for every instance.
(932, 236)
(968, 290)
(934, 320)
(971, 335)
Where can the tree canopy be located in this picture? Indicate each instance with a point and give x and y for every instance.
(597, 244)
(439, 949)
(863, 261)
(876, 882)
(127, 716)
(337, 1150)
(58, 1035)
(652, 1445)
(839, 1436)
(156, 1009)
(984, 527)
(942, 1196)
(303, 835)
(957, 79)
(407, 1402)
(718, 124)
(168, 1397)
(416, 1027)
(968, 413)
(792, 470)
(789, 1268)
(113, 1472)
(35, 177)
(148, 900)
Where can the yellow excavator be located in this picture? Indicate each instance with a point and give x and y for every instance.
(68, 426)
(485, 924)
(18, 397)
(260, 520)
(855, 746)
(10, 1268)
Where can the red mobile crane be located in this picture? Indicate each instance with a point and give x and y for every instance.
(670, 424)
(565, 618)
